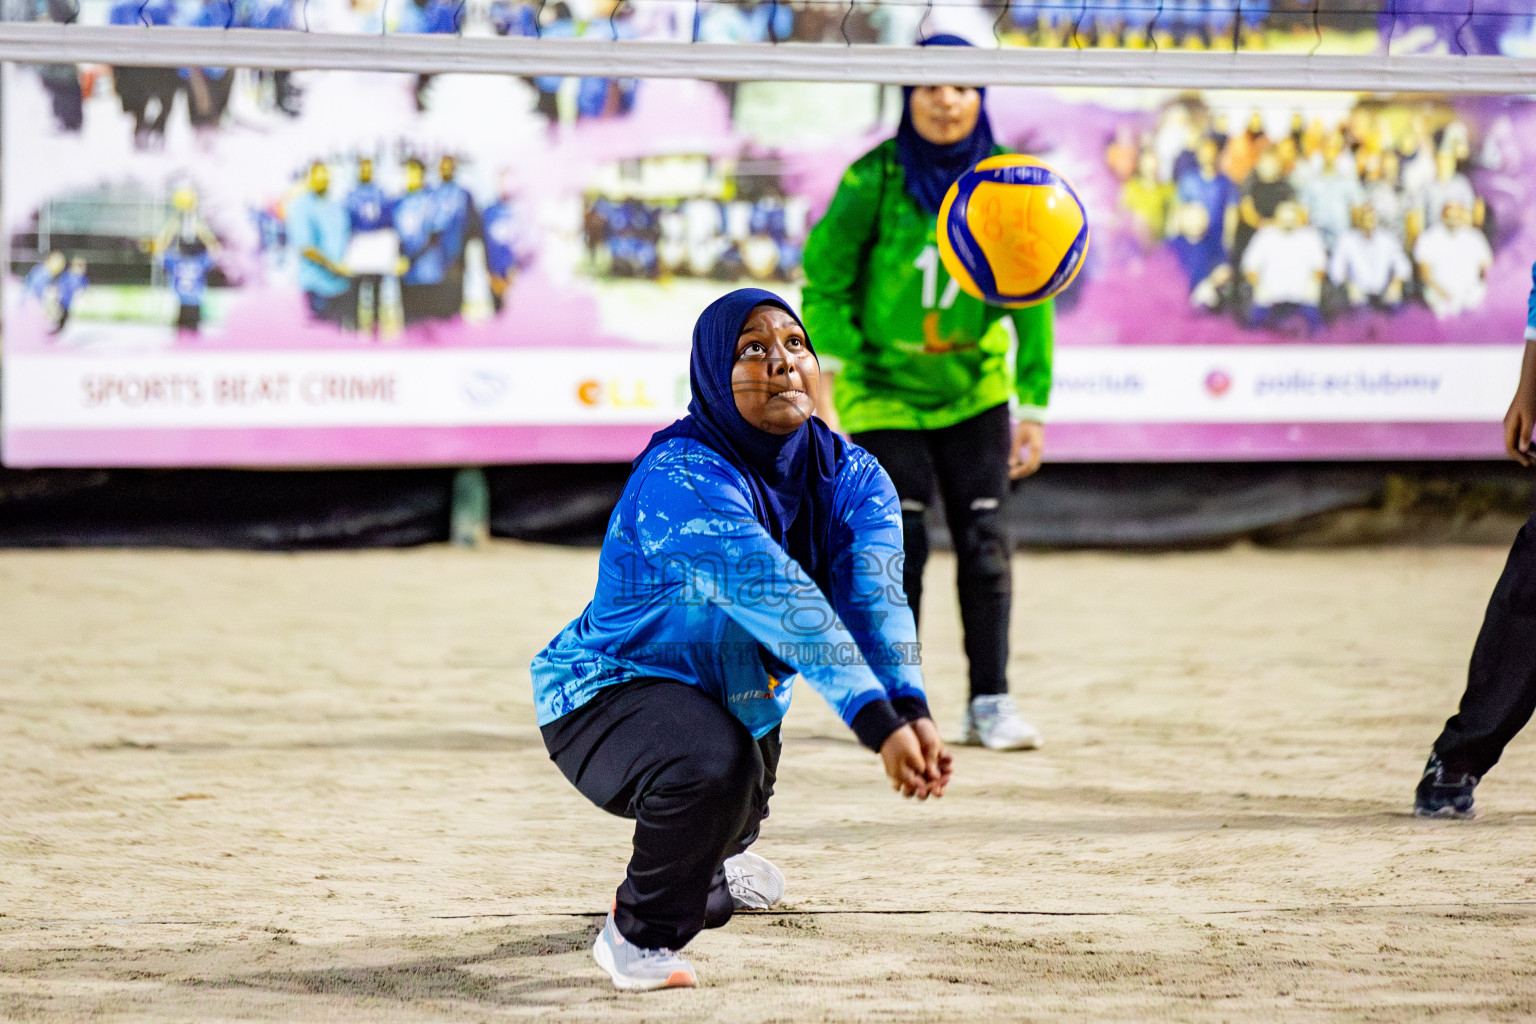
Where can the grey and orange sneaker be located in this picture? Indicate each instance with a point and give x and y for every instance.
(635, 969)
(1444, 792)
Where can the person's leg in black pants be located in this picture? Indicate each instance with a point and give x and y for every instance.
(971, 459)
(972, 462)
(133, 93)
(162, 87)
(720, 906)
(904, 456)
(672, 758)
(1501, 682)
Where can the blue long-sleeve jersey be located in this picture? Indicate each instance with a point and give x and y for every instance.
(1530, 309)
(692, 587)
(38, 280)
(508, 246)
(207, 14)
(137, 12)
(421, 232)
(187, 276)
(368, 208)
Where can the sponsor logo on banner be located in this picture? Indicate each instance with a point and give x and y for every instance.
(313, 389)
(1109, 384)
(484, 387)
(617, 393)
(1283, 384)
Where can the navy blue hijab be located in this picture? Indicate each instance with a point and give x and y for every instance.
(791, 476)
(931, 168)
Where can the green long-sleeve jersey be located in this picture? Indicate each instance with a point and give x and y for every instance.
(910, 349)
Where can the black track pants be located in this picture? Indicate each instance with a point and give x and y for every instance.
(1501, 682)
(970, 460)
(696, 784)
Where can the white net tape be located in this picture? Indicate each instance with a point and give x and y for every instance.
(1203, 44)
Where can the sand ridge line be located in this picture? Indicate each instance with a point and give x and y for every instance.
(892, 912)
(1301, 909)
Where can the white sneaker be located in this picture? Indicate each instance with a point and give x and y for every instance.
(993, 722)
(639, 970)
(755, 883)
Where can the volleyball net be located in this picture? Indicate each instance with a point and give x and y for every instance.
(1445, 46)
(374, 232)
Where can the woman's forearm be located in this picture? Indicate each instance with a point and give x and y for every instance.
(1528, 369)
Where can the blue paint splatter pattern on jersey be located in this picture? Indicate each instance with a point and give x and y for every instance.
(692, 587)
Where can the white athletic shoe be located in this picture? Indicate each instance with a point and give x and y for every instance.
(755, 883)
(639, 970)
(993, 722)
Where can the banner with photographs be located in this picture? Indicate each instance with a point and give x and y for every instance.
(215, 266)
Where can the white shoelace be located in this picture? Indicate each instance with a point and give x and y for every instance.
(743, 878)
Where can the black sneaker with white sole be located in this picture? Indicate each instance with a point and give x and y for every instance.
(1444, 792)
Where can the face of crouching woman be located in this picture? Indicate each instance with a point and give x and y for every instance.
(775, 376)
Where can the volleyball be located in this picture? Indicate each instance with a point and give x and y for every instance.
(1012, 231)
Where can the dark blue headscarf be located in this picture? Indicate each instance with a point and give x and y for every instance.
(930, 168)
(791, 476)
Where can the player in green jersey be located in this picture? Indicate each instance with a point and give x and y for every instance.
(922, 375)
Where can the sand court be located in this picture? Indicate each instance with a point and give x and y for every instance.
(292, 788)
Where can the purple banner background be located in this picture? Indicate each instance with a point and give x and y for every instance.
(634, 204)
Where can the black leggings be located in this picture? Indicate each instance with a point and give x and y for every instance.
(218, 91)
(971, 462)
(138, 87)
(1501, 681)
(687, 771)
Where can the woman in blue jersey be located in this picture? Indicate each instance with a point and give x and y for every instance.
(751, 545)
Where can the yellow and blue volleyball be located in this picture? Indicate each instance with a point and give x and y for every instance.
(1012, 231)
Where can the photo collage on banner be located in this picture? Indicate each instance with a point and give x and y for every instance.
(219, 266)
